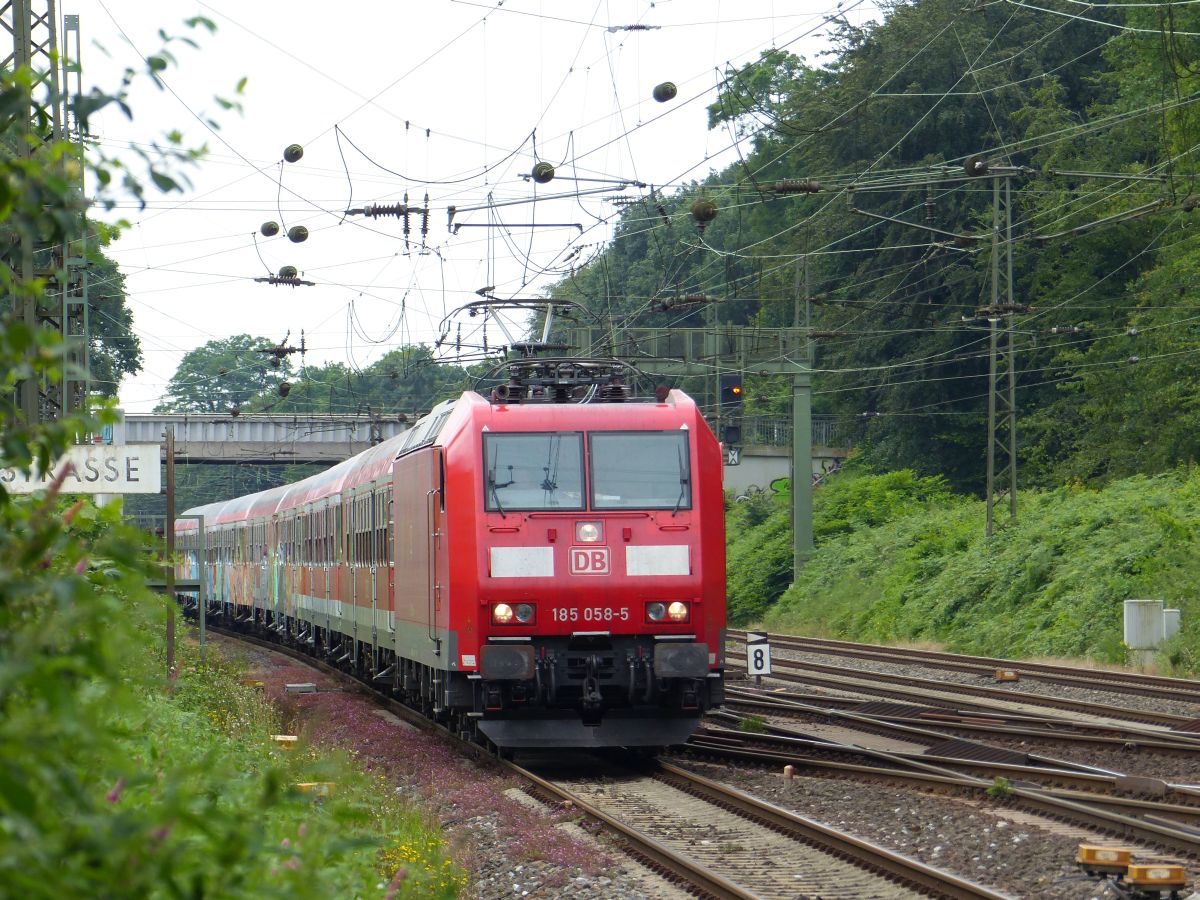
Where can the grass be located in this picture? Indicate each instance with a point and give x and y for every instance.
(753, 725)
(360, 840)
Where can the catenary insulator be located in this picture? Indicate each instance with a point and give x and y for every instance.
(665, 91)
(1132, 332)
(543, 172)
(382, 210)
(704, 211)
(292, 153)
(975, 165)
(796, 186)
(297, 234)
(288, 272)
(269, 229)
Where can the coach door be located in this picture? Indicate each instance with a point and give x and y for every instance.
(420, 555)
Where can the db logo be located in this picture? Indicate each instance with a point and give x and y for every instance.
(589, 560)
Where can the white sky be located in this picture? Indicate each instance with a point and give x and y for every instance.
(480, 78)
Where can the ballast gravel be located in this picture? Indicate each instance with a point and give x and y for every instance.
(971, 839)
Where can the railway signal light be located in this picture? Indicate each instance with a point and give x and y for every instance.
(732, 393)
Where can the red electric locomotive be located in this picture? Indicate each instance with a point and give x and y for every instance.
(542, 569)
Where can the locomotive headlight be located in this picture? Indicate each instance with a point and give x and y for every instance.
(656, 611)
(502, 614)
(524, 613)
(677, 611)
(589, 532)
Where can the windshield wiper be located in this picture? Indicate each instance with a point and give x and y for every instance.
(683, 484)
(496, 489)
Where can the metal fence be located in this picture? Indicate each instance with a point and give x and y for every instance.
(776, 431)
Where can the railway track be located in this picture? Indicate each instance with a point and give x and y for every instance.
(1134, 683)
(819, 860)
(744, 847)
(995, 723)
(1105, 803)
(936, 692)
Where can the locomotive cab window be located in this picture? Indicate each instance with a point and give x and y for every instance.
(640, 470)
(533, 471)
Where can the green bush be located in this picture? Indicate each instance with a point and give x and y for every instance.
(759, 529)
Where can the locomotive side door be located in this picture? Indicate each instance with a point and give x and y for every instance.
(420, 550)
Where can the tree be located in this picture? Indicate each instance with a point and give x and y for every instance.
(224, 375)
(116, 349)
(405, 380)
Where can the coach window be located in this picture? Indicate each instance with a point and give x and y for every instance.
(640, 470)
(533, 471)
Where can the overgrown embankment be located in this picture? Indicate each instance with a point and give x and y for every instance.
(901, 558)
(115, 782)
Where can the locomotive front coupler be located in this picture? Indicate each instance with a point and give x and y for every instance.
(592, 699)
(641, 671)
(546, 678)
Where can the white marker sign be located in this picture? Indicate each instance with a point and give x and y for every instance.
(96, 469)
(758, 658)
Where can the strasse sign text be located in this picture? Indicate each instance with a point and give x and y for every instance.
(95, 469)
